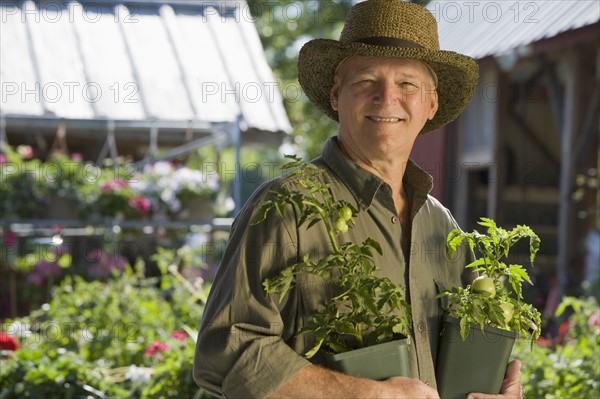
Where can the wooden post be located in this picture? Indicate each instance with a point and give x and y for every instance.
(568, 129)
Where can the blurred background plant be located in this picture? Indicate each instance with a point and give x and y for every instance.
(21, 190)
(568, 365)
(130, 336)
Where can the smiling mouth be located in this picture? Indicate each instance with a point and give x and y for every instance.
(381, 119)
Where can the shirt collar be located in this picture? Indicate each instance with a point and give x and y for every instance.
(364, 185)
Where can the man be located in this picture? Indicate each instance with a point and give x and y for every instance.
(386, 82)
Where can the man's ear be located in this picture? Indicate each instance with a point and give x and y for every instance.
(434, 105)
(333, 96)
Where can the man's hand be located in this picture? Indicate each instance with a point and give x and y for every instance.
(511, 385)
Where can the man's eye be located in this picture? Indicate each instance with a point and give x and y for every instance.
(409, 87)
(409, 84)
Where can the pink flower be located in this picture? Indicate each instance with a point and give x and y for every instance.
(142, 204)
(106, 188)
(120, 183)
(25, 151)
(179, 335)
(3, 158)
(44, 269)
(103, 265)
(114, 185)
(77, 157)
(11, 238)
(156, 346)
(594, 320)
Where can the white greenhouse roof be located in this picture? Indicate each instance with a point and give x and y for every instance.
(483, 28)
(137, 61)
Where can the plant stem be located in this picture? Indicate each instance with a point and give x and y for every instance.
(325, 219)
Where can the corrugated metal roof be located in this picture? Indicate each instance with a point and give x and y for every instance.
(137, 61)
(483, 28)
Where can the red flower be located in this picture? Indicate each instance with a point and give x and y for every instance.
(543, 341)
(8, 343)
(564, 328)
(179, 335)
(156, 346)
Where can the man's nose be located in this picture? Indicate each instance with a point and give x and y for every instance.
(387, 93)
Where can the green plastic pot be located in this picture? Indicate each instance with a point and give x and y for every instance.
(377, 362)
(476, 364)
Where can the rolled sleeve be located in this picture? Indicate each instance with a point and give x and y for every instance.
(243, 347)
(261, 369)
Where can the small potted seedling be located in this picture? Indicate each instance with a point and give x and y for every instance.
(484, 318)
(363, 329)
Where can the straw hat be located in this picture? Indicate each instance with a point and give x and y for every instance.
(389, 28)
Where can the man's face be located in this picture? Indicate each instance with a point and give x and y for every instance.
(382, 103)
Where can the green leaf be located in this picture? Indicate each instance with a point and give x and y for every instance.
(373, 244)
(280, 206)
(487, 222)
(476, 263)
(315, 348)
(65, 261)
(261, 214)
(454, 239)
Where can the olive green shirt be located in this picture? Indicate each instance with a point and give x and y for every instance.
(248, 344)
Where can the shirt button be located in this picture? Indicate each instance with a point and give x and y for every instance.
(394, 219)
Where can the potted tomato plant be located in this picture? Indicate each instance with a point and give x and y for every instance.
(484, 318)
(363, 329)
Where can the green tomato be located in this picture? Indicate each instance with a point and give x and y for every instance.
(507, 314)
(485, 285)
(341, 226)
(346, 213)
(507, 311)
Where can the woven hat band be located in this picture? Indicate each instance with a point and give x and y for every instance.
(388, 41)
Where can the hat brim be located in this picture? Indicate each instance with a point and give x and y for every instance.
(457, 74)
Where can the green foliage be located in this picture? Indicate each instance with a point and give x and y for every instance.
(568, 366)
(128, 337)
(471, 304)
(40, 372)
(368, 309)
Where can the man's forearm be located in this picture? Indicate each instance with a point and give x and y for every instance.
(317, 382)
